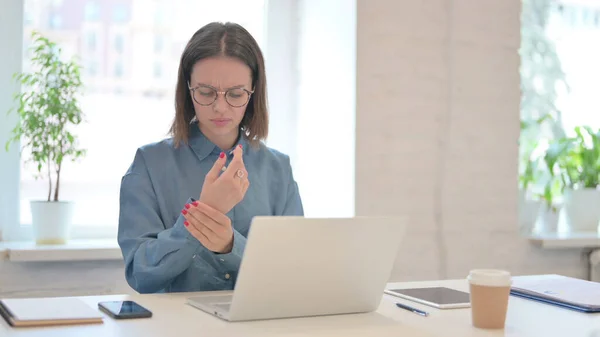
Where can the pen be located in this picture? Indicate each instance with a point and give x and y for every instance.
(415, 310)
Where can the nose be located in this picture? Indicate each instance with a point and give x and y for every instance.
(220, 104)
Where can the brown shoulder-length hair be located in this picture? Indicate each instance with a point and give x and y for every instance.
(222, 39)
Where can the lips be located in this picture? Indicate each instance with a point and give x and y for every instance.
(220, 122)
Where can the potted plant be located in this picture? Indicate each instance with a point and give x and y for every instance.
(576, 161)
(550, 209)
(528, 207)
(48, 108)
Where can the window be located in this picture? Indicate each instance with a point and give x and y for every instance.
(119, 43)
(157, 70)
(559, 75)
(90, 41)
(120, 13)
(93, 183)
(118, 71)
(91, 11)
(158, 43)
(575, 40)
(92, 68)
(55, 21)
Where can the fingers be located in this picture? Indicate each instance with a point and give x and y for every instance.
(237, 163)
(200, 221)
(213, 174)
(197, 233)
(214, 231)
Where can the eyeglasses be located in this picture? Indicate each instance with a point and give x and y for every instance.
(236, 97)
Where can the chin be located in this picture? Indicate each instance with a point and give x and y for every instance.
(222, 131)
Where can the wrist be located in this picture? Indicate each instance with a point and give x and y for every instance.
(213, 205)
(229, 247)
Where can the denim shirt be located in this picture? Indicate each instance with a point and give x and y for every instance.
(160, 255)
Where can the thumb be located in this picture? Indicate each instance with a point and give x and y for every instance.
(214, 172)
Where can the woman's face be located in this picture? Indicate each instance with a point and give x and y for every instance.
(219, 114)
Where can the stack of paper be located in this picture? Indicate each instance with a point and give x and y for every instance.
(47, 311)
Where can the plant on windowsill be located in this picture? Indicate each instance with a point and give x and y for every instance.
(542, 78)
(576, 163)
(531, 173)
(550, 209)
(528, 207)
(48, 109)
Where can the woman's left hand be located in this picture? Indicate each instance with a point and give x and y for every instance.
(209, 226)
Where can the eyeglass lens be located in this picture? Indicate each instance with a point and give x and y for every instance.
(235, 97)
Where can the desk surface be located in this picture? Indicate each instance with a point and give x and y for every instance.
(172, 317)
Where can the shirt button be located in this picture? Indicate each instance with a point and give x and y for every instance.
(227, 276)
(194, 256)
(222, 260)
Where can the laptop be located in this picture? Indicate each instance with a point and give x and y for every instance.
(298, 267)
(563, 291)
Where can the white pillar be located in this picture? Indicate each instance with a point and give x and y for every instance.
(11, 47)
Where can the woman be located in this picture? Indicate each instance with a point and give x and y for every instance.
(186, 202)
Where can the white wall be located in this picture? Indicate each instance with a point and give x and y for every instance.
(437, 124)
(11, 17)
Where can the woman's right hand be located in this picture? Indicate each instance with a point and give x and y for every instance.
(222, 191)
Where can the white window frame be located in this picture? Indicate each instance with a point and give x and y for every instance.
(280, 47)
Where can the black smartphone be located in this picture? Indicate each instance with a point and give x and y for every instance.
(124, 309)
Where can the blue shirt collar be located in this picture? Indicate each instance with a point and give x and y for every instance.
(203, 147)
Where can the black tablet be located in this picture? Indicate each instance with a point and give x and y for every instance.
(437, 297)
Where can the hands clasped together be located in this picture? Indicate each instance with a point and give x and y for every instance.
(222, 190)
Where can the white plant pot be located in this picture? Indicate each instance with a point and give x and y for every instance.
(528, 211)
(51, 221)
(582, 209)
(548, 219)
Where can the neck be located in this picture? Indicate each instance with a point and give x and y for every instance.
(224, 142)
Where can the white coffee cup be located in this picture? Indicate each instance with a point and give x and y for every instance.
(489, 292)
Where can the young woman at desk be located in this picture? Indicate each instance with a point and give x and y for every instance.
(186, 202)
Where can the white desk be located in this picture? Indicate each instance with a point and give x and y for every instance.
(174, 318)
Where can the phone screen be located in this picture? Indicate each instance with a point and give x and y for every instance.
(124, 309)
(437, 295)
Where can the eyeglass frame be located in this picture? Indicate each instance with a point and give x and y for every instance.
(224, 93)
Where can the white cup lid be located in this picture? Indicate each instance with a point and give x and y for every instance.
(490, 277)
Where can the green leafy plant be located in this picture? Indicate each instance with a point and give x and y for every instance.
(542, 80)
(47, 106)
(576, 160)
(552, 189)
(529, 175)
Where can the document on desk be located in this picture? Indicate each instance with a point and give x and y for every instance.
(558, 289)
(20, 312)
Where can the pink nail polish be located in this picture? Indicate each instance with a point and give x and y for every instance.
(186, 223)
(187, 206)
(184, 212)
(222, 155)
(241, 147)
(195, 203)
